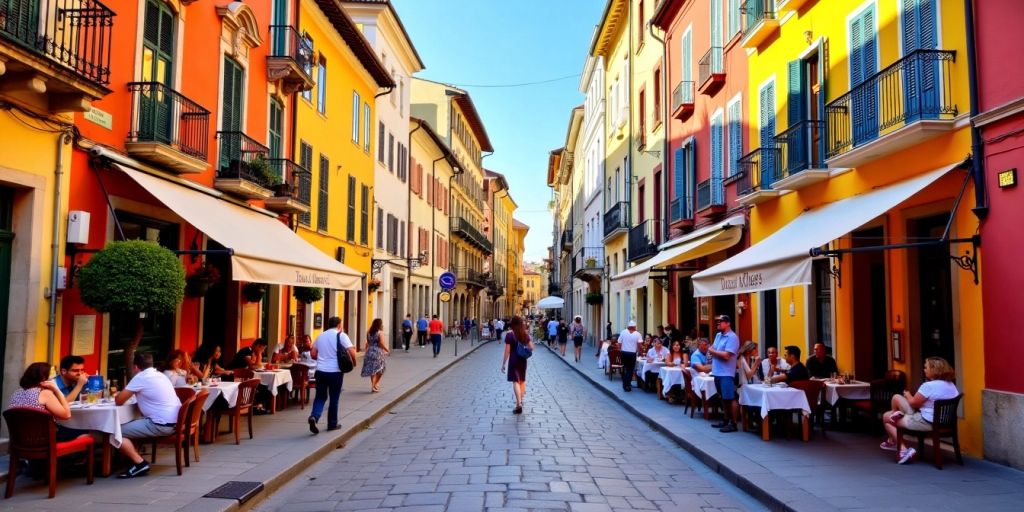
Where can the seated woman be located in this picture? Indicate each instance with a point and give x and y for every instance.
(174, 368)
(748, 364)
(677, 356)
(40, 393)
(602, 354)
(656, 354)
(916, 411)
(287, 353)
(207, 362)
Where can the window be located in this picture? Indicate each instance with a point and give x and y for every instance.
(158, 44)
(321, 200)
(305, 187)
(380, 141)
(307, 67)
(716, 24)
(356, 104)
(687, 53)
(380, 228)
(735, 136)
(367, 127)
(275, 130)
(350, 228)
(231, 115)
(657, 95)
(401, 238)
(392, 235)
(364, 219)
(642, 116)
(321, 91)
(642, 24)
(717, 157)
(733, 18)
(391, 153)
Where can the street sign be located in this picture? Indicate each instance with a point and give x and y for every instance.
(447, 281)
(444, 296)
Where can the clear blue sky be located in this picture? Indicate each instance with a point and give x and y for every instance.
(499, 42)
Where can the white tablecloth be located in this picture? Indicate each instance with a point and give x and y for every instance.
(670, 376)
(103, 418)
(229, 390)
(774, 398)
(854, 391)
(705, 383)
(644, 367)
(274, 378)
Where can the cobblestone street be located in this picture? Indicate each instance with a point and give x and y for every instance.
(457, 446)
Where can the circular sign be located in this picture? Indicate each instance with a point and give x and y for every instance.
(444, 296)
(446, 280)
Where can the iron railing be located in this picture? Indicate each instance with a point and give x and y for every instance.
(589, 258)
(710, 192)
(567, 239)
(761, 169)
(682, 94)
(644, 239)
(914, 88)
(710, 64)
(470, 276)
(466, 230)
(295, 176)
(681, 208)
(756, 11)
(801, 146)
(616, 217)
(241, 157)
(161, 114)
(287, 43)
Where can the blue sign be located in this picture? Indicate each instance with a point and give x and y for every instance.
(447, 281)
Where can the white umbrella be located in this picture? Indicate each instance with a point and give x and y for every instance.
(550, 302)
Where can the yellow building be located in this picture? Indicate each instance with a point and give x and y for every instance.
(334, 141)
(858, 117)
(516, 296)
(450, 111)
(533, 284)
(432, 163)
(499, 208)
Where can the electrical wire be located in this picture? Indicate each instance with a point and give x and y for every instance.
(521, 84)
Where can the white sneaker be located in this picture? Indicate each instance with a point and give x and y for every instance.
(907, 455)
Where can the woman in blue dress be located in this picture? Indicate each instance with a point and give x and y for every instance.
(375, 359)
(516, 365)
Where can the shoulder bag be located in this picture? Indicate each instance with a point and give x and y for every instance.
(345, 363)
(523, 351)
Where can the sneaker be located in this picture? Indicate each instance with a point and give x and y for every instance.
(336, 427)
(907, 455)
(888, 446)
(728, 428)
(312, 425)
(139, 469)
(721, 424)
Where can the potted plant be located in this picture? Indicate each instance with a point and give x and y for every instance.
(200, 281)
(254, 292)
(590, 262)
(594, 298)
(259, 169)
(308, 295)
(373, 284)
(133, 277)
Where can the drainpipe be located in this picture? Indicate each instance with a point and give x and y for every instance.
(408, 225)
(977, 145)
(63, 139)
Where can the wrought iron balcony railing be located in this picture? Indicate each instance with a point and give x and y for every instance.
(680, 209)
(710, 192)
(710, 64)
(161, 114)
(589, 258)
(915, 88)
(801, 147)
(616, 218)
(297, 180)
(469, 233)
(567, 239)
(682, 99)
(761, 169)
(644, 239)
(286, 42)
(74, 33)
(757, 11)
(241, 157)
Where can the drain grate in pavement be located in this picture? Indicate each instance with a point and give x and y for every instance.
(233, 490)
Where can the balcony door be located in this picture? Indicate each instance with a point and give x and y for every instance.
(920, 73)
(231, 115)
(768, 157)
(279, 40)
(863, 67)
(155, 108)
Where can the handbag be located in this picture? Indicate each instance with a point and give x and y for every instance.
(345, 363)
(523, 351)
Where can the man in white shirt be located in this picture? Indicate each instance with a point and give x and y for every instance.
(328, 376)
(772, 361)
(159, 405)
(629, 340)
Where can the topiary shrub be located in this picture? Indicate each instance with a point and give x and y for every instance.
(132, 276)
(308, 295)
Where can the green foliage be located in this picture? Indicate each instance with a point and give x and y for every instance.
(308, 295)
(254, 292)
(594, 298)
(132, 276)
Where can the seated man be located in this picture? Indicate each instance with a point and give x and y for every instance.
(72, 378)
(251, 356)
(772, 361)
(701, 360)
(797, 371)
(821, 366)
(158, 404)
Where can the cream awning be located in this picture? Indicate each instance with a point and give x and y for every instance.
(701, 242)
(263, 249)
(783, 258)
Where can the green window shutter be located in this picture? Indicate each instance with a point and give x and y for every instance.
(796, 95)
(276, 129)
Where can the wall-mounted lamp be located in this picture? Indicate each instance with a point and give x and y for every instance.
(809, 36)
(740, 306)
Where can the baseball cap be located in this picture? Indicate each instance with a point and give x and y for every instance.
(724, 318)
(632, 323)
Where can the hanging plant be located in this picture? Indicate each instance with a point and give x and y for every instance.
(200, 280)
(594, 298)
(254, 292)
(308, 295)
(373, 284)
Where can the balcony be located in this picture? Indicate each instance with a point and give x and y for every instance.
(566, 242)
(589, 264)
(711, 71)
(465, 230)
(899, 107)
(711, 197)
(290, 61)
(55, 54)
(470, 277)
(681, 212)
(292, 195)
(616, 219)
(784, 6)
(243, 169)
(682, 100)
(761, 169)
(644, 239)
(760, 21)
(168, 129)
(802, 150)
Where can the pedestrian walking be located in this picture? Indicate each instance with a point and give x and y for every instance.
(629, 340)
(578, 332)
(562, 331)
(328, 375)
(516, 364)
(375, 359)
(552, 330)
(406, 331)
(499, 328)
(421, 331)
(436, 331)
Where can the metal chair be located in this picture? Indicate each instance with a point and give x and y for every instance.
(33, 436)
(944, 424)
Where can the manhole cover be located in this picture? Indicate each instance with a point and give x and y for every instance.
(241, 491)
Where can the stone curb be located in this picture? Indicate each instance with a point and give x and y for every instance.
(285, 475)
(707, 459)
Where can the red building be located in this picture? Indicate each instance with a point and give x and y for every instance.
(706, 70)
(1000, 121)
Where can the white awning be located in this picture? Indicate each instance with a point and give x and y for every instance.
(264, 249)
(783, 258)
(704, 241)
(550, 302)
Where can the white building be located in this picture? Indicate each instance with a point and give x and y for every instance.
(588, 252)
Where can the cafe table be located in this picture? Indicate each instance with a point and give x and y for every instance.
(272, 380)
(704, 387)
(854, 390)
(777, 397)
(229, 390)
(669, 376)
(106, 418)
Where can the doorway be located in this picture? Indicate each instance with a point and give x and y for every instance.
(770, 319)
(870, 306)
(934, 291)
(6, 245)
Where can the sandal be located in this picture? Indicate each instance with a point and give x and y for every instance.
(518, 409)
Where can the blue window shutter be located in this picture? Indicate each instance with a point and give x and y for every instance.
(717, 154)
(691, 177)
(796, 95)
(735, 137)
(928, 33)
(677, 178)
(911, 31)
(870, 68)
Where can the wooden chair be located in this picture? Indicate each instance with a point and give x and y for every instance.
(690, 399)
(300, 383)
(897, 379)
(181, 438)
(944, 424)
(243, 374)
(184, 393)
(243, 407)
(195, 431)
(815, 392)
(882, 391)
(614, 363)
(33, 436)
